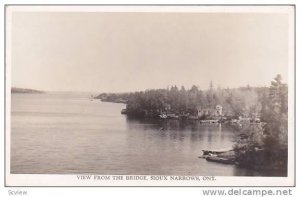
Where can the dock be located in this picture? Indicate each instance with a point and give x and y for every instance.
(209, 121)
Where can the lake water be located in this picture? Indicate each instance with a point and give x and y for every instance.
(69, 133)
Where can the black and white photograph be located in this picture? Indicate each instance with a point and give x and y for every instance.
(150, 95)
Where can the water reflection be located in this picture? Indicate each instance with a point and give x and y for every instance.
(180, 143)
(181, 130)
(55, 134)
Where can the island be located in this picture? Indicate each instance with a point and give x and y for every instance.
(113, 97)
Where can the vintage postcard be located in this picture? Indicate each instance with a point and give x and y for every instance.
(150, 95)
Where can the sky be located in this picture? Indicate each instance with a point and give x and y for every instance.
(122, 52)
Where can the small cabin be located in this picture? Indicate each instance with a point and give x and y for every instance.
(219, 110)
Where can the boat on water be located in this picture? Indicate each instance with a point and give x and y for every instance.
(168, 116)
(163, 116)
(220, 160)
(225, 156)
(216, 152)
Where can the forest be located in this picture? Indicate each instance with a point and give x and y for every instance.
(237, 102)
(265, 146)
(260, 146)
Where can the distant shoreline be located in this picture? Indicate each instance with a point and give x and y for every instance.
(25, 91)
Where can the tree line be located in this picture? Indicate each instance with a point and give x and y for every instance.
(262, 146)
(236, 102)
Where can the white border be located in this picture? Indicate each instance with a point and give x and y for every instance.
(143, 8)
(71, 180)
